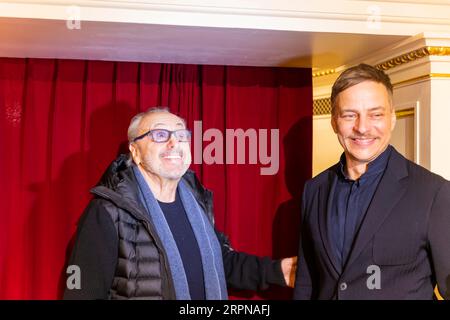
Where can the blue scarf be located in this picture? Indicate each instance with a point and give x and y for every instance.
(210, 250)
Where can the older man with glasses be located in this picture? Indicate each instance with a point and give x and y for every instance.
(149, 233)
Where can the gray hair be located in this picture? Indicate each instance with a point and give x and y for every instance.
(133, 128)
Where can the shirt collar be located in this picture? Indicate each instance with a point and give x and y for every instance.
(374, 167)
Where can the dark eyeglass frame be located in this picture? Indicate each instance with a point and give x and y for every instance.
(150, 134)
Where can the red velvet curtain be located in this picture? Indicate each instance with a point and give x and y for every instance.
(63, 121)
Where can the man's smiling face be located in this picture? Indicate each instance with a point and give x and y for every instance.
(166, 160)
(363, 120)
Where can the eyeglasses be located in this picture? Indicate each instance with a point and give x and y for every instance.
(163, 135)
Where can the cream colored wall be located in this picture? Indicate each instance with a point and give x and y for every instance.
(417, 95)
(403, 136)
(326, 147)
(440, 126)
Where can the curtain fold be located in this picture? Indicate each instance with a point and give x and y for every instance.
(63, 121)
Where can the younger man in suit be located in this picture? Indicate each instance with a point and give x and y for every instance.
(375, 225)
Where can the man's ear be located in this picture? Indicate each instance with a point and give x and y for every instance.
(333, 123)
(134, 153)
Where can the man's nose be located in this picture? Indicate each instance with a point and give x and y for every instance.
(361, 125)
(172, 142)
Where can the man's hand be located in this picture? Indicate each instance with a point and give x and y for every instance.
(289, 267)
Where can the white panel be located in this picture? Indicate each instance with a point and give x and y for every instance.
(326, 147)
(403, 137)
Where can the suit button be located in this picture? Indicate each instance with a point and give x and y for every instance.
(343, 286)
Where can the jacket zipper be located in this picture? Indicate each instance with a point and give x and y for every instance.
(147, 225)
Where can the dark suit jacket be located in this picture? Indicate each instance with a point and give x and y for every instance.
(405, 232)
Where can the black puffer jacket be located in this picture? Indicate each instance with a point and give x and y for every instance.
(121, 256)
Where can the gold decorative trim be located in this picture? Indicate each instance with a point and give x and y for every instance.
(413, 56)
(323, 73)
(439, 51)
(424, 77)
(404, 113)
(399, 60)
(439, 75)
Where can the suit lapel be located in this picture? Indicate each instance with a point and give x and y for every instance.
(326, 192)
(389, 191)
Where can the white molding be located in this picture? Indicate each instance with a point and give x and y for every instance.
(410, 70)
(350, 16)
(415, 105)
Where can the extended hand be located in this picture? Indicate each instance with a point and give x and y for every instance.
(289, 267)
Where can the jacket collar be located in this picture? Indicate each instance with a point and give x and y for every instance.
(389, 191)
(118, 184)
